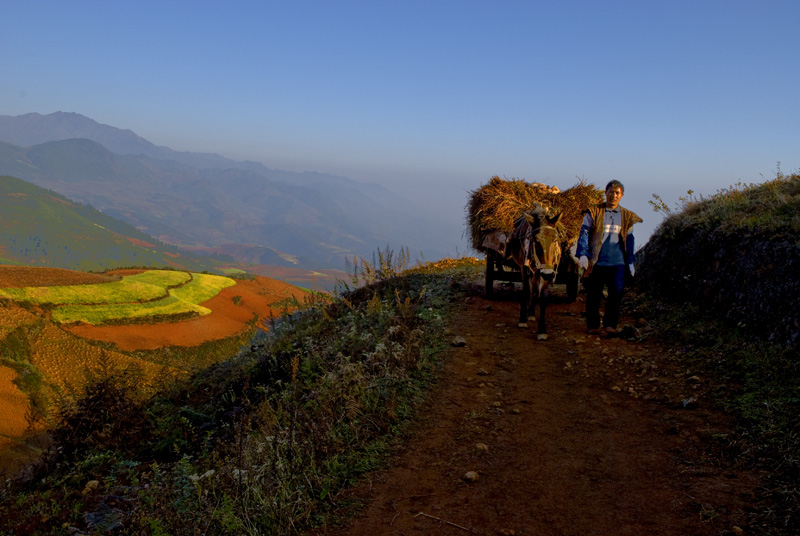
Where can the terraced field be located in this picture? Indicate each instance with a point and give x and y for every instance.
(59, 327)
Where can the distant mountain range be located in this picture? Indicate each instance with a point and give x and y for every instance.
(202, 200)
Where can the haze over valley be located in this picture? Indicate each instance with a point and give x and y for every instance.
(207, 203)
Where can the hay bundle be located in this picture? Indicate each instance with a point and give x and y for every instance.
(495, 205)
(572, 202)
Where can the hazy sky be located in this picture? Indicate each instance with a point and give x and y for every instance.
(431, 97)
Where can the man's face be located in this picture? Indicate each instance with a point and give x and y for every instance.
(613, 195)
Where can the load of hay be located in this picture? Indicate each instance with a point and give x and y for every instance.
(495, 205)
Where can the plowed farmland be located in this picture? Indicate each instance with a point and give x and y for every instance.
(13, 404)
(24, 276)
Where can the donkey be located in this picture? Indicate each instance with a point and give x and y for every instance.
(535, 246)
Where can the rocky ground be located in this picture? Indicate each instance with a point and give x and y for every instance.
(576, 435)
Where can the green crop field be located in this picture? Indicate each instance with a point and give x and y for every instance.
(155, 293)
(161, 278)
(202, 287)
(101, 314)
(146, 286)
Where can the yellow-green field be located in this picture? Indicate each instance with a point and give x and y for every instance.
(151, 293)
(146, 286)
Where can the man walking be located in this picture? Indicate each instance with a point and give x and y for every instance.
(606, 252)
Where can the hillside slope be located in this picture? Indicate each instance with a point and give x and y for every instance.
(45, 363)
(40, 227)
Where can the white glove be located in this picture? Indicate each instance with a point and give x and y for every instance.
(583, 262)
(632, 270)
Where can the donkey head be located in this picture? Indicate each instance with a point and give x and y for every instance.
(545, 251)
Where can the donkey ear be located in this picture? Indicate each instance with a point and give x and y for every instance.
(552, 220)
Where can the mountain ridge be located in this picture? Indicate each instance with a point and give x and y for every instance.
(185, 199)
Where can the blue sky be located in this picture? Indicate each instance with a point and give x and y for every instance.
(432, 97)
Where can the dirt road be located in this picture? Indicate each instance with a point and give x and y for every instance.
(577, 435)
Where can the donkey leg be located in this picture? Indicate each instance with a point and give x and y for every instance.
(543, 295)
(525, 298)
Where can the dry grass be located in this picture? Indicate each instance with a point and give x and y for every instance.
(495, 205)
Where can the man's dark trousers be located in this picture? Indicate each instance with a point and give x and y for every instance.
(612, 277)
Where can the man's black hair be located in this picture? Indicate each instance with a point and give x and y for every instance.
(614, 184)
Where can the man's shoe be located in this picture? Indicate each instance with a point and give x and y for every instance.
(609, 331)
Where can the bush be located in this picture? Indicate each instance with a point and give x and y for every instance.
(736, 255)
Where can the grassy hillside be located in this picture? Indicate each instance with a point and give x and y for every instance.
(48, 360)
(154, 293)
(734, 254)
(40, 227)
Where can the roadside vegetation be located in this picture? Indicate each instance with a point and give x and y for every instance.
(261, 443)
(720, 276)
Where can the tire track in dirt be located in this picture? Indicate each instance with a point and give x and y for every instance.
(576, 441)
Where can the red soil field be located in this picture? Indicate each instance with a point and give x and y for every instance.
(13, 405)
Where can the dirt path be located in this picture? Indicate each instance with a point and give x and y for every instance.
(577, 435)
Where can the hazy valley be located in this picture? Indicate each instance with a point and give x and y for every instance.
(301, 220)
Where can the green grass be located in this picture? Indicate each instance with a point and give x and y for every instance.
(233, 271)
(161, 278)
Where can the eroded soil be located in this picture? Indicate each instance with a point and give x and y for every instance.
(576, 435)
